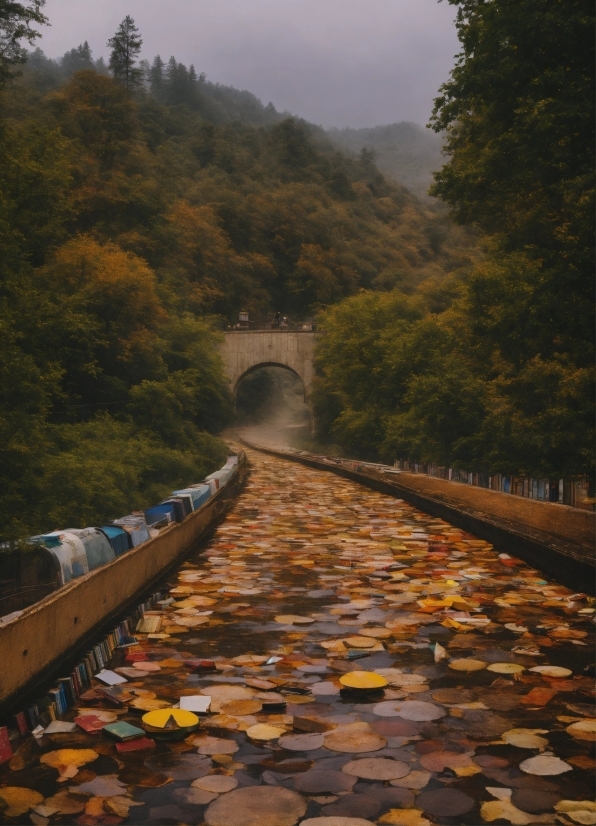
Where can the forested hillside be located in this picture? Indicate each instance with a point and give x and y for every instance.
(140, 209)
(496, 376)
(406, 152)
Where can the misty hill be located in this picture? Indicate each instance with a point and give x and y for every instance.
(404, 151)
(171, 82)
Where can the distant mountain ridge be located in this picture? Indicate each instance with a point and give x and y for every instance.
(406, 152)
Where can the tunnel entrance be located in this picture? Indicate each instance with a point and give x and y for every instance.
(270, 400)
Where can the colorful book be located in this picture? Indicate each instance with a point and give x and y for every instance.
(110, 677)
(123, 731)
(21, 722)
(5, 747)
(138, 744)
(90, 723)
(199, 703)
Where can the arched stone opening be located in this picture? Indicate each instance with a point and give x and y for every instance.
(273, 396)
(260, 366)
(245, 351)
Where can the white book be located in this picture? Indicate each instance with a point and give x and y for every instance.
(60, 727)
(196, 702)
(110, 677)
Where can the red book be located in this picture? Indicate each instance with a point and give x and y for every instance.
(135, 745)
(200, 665)
(90, 723)
(21, 722)
(135, 657)
(5, 747)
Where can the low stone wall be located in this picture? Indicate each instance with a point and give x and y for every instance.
(55, 627)
(571, 524)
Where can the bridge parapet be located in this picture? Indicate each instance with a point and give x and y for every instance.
(246, 350)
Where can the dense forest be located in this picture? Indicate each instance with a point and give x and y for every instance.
(405, 152)
(491, 369)
(141, 207)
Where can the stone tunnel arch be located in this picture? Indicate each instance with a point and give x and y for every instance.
(244, 351)
(256, 367)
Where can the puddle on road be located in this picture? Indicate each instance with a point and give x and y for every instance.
(485, 710)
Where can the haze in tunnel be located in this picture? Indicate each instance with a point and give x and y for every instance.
(270, 405)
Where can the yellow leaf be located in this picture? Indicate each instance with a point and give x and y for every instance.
(404, 817)
(19, 800)
(68, 757)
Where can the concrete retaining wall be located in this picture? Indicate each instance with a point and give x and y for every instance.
(52, 629)
(572, 524)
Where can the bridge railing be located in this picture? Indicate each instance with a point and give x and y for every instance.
(287, 326)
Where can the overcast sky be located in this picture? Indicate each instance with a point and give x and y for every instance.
(334, 62)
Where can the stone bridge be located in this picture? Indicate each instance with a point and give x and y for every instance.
(246, 350)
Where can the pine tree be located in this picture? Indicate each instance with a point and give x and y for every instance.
(156, 77)
(126, 45)
(77, 59)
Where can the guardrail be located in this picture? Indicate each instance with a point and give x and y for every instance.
(287, 326)
(572, 492)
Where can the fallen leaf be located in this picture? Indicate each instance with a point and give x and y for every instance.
(583, 730)
(545, 764)
(354, 742)
(376, 768)
(403, 817)
(19, 800)
(525, 738)
(466, 664)
(256, 806)
(580, 811)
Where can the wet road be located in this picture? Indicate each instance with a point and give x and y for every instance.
(486, 714)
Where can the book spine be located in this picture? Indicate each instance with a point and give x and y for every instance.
(85, 679)
(21, 722)
(87, 665)
(99, 656)
(54, 694)
(63, 700)
(76, 681)
(94, 668)
(68, 689)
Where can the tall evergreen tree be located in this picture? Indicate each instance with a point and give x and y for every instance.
(156, 76)
(126, 45)
(77, 59)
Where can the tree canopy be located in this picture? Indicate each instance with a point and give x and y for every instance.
(16, 24)
(126, 45)
(496, 373)
(133, 227)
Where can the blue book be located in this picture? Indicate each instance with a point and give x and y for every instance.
(123, 731)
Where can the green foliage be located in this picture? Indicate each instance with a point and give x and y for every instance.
(404, 151)
(16, 20)
(519, 116)
(495, 374)
(126, 45)
(133, 224)
(98, 470)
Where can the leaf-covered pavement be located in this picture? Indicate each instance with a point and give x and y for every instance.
(475, 705)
